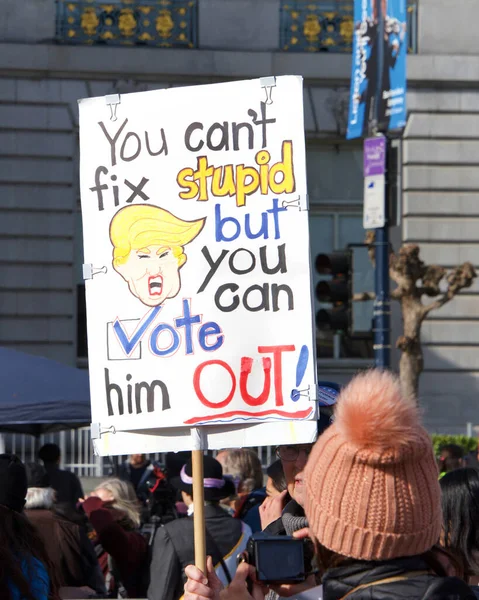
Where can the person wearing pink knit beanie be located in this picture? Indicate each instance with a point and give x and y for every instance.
(372, 503)
(372, 479)
(373, 498)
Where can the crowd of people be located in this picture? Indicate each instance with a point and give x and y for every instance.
(378, 514)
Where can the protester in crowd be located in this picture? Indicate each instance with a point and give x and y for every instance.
(460, 510)
(451, 457)
(373, 504)
(283, 514)
(114, 513)
(276, 482)
(26, 571)
(174, 462)
(243, 466)
(173, 546)
(66, 541)
(66, 485)
(136, 470)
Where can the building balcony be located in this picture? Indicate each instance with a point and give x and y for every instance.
(160, 23)
(327, 26)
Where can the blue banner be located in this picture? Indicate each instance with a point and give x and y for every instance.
(378, 67)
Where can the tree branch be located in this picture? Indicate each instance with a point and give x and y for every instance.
(401, 280)
(363, 296)
(406, 268)
(461, 277)
(431, 280)
(369, 241)
(397, 294)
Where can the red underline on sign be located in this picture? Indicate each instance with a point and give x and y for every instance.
(300, 414)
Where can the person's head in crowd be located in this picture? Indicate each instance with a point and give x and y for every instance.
(120, 495)
(24, 563)
(470, 459)
(39, 494)
(137, 460)
(13, 483)
(244, 467)
(276, 482)
(222, 456)
(294, 457)
(50, 454)
(451, 457)
(216, 486)
(372, 490)
(460, 510)
(174, 462)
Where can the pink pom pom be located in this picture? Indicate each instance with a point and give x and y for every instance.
(372, 412)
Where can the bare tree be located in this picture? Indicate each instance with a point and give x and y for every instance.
(414, 280)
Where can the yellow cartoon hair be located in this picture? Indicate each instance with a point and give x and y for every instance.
(139, 226)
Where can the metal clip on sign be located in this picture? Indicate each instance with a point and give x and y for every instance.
(89, 271)
(97, 430)
(113, 100)
(301, 203)
(268, 83)
(297, 394)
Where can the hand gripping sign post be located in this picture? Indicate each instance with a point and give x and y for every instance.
(197, 268)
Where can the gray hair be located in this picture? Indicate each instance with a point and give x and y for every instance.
(124, 498)
(40, 498)
(244, 466)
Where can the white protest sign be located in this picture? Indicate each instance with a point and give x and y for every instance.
(196, 252)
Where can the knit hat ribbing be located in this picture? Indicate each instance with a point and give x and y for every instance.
(371, 479)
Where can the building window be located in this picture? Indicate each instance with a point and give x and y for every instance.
(335, 184)
(165, 24)
(335, 175)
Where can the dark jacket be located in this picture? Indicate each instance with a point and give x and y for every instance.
(127, 547)
(66, 484)
(419, 582)
(173, 550)
(69, 549)
(248, 511)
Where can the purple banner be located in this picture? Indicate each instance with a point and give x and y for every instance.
(375, 156)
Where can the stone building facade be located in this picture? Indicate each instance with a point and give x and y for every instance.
(40, 227)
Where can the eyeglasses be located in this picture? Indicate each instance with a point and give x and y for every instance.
(291, 453)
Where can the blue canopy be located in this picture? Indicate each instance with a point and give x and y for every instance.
(39, 395)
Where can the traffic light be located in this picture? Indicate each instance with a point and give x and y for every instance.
(336, 291)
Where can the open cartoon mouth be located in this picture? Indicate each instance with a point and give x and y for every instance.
(155, 285)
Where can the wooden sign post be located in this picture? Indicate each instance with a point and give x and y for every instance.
(199, 514)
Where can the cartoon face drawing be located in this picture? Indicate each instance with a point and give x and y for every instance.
(148, 250)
